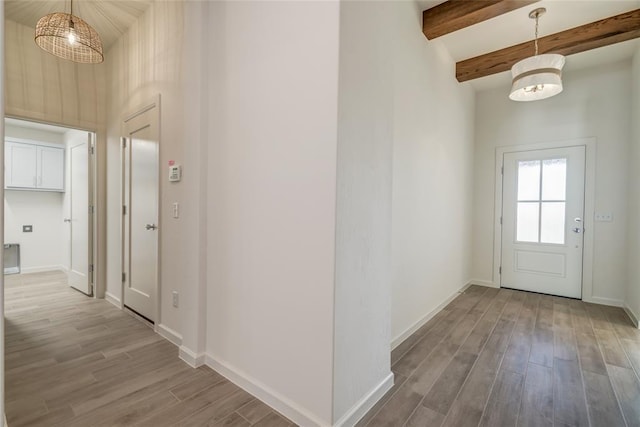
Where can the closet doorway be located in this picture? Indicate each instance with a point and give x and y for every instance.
(49, 203)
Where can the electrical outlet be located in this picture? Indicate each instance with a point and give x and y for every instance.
(175, 298)
(27, 228)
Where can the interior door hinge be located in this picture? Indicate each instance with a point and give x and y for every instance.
(124, 210)
(500, 220)
(124, 277)
(124, 142)
(92, 150)
(90, 277)
(501, 170)
(91, 210)
(500, 270)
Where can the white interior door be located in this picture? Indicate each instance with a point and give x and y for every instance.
(140, 212)
(80, 221)
(542, 220)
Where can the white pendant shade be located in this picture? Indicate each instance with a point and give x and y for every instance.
(537, 77)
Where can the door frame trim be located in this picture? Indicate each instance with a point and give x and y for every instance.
(589, 206)
(153, 102)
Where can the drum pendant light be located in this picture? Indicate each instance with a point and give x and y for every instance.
(69, 37)
(539, 76)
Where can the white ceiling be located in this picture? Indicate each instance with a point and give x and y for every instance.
(110, 18)
(516, 27)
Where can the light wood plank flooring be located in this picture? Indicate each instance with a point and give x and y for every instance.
(77, 361)
(491, 358)
(504, 358)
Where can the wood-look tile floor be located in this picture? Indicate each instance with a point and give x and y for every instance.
(71, 361)
(505, 358)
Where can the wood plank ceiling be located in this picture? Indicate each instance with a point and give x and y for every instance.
(454, 15)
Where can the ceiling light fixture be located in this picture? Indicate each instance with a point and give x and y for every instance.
(539, 76)
(69, 37)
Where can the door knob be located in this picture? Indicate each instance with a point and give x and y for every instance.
(577, 230)
(151, 227)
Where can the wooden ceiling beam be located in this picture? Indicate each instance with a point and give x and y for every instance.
(454, 15)
(615, 29)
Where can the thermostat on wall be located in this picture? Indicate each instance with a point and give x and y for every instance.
(175, 173)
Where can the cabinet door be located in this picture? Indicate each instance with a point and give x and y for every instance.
(20, 165)
(50, 168)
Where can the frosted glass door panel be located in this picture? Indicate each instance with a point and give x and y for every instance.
(554, 179)
(552, 223)
(529, 180)
(527, 222)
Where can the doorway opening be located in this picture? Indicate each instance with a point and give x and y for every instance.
(49, 204)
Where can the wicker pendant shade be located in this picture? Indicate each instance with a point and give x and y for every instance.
(69, 37)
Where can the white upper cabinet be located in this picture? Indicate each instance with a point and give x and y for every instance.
(33, 167)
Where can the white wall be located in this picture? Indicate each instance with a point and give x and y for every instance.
(144, 63)
(42, 249)
(363, 211)
(271, 201)
(632, 300)
(33, 134)
(595, 103)
(432, 176)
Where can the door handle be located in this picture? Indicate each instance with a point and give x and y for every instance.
(151, 227)
(577, 230)
(67, 220)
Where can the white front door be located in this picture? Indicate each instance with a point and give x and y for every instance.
(80, 221)
(140, 212)
(542, 220)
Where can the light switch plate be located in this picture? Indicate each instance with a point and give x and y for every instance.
(604, 217)
(175, 296)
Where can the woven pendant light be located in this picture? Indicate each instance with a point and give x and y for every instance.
(69, 37)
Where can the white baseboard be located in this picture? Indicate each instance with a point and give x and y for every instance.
(169, 334)
(113, 300)
(420, 323)
(192, 359)
(272, 398)
(486, 283)
(605, 301)
(633, 316)
(43, 269)
(365, 404)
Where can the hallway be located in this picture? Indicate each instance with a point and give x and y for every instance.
(78, 361)
(497, 357)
